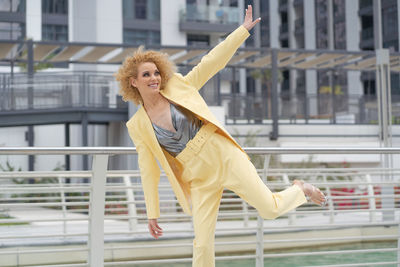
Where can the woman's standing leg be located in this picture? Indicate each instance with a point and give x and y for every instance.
(205, 206)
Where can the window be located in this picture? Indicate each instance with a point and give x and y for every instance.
(12, 31)
(198, 40)
(14, 27)
(54, 32)
(55, 6)
(389, 21)
(141, 37)
(141, 9)
(12, 6)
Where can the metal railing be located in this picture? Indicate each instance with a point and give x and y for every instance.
(210, 14)
(323, 108)
(98, 223)
(49, 90)
(63, 90)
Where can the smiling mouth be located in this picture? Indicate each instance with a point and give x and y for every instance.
(154, 85)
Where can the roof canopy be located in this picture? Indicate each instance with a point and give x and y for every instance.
(99, 53)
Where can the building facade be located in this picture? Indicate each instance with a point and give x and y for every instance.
(295, 24)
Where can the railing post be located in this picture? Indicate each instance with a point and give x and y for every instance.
(371, 199)
(330, 201)
(398, 245)
(96, 211)
(260, 242)
(274, 95)
(246, 213)
(260, 222)
(292, 215)
(64, 211)
(131, 205)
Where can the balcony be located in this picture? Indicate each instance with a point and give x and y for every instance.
(57, 97)
(198, 19)
(358, 110)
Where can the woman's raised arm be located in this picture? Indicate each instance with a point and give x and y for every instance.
(220, 55)
(248, 22)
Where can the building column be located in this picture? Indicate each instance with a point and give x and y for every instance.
(293, 73)
(34, 20)
(273, 25)
(169, 21)
(310, 43)
(354, 85)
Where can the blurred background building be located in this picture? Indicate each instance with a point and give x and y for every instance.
(77, 104)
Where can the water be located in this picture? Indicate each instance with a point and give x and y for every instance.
(311, 260)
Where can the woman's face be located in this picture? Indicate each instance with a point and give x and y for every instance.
(148, 79)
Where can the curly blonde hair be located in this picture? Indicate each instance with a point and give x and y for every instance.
(129, 70)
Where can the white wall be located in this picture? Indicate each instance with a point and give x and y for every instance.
(109, 26)
(14, 136)
(170, 34)
(34, 19)
(82, 20)
(49, 135)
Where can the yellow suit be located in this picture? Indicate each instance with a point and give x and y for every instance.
(182, 90)
(211, 161)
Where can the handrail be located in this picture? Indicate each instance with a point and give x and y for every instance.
(249, 150)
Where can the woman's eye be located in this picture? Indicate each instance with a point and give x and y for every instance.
(145, 74)
(157, 73)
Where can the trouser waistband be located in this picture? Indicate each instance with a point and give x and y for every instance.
(194, 145)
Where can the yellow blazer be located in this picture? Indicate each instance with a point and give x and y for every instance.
(182, 90)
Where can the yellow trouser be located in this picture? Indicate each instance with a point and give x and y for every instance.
(211, 163)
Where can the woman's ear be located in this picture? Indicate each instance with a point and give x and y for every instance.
(132, 81)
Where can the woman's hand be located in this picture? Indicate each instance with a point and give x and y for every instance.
(154, 229)
(248, 19)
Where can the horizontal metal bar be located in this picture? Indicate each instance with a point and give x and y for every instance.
(345, 238)
(358, 264)
(41, 236)
(132, 150)
(46, 189)
(136, 173)
(180, 260)
(64, 265)
(42, 251)
(330, 252)
(253, 242)
(43, 220)
(241, 230)
(43, 204)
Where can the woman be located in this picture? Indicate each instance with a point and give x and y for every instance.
(175, 127)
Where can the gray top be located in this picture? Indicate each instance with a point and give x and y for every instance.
(186, 126)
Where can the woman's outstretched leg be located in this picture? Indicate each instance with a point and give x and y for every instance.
(242, 178)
